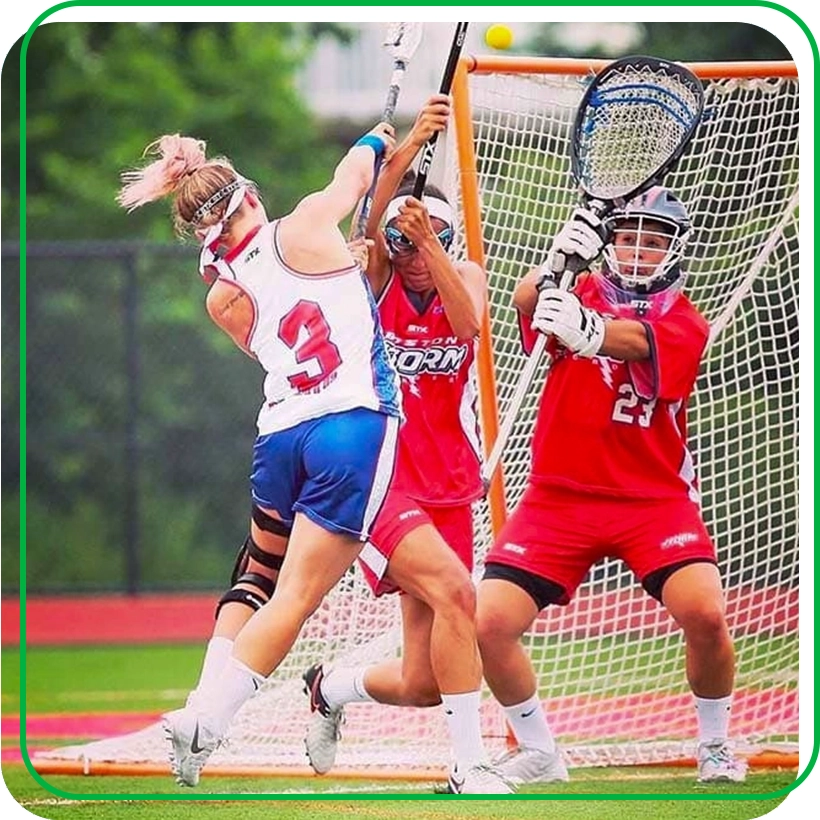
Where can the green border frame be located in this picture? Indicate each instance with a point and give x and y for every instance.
(23, 238)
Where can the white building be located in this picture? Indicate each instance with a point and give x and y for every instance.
(351, 81)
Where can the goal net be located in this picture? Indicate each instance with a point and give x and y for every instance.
(611, 664)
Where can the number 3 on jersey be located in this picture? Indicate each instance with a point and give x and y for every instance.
(630, 407)
(305, 330)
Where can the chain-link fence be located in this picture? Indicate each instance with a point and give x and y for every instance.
(138, 421)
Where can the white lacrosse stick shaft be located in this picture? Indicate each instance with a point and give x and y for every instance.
(401, 41)
(521, 389)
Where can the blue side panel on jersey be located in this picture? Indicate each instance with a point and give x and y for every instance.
(385, 379)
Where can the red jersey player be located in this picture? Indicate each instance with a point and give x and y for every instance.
(611, 473)
(430, 309)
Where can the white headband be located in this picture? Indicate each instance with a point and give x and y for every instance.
(237, 198)
(436, 207)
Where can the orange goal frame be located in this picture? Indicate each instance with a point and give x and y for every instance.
(488, 402)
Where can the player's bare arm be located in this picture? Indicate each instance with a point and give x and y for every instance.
(461, 287)
(433, 117)
(625, 339)
(309, 236)
(525, 294)
(232, 311)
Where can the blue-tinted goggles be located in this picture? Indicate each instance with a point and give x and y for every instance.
(397, 242)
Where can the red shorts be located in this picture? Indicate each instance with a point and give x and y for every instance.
(558, 534)
(399, 516)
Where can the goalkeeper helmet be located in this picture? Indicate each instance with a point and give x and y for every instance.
(649, 235)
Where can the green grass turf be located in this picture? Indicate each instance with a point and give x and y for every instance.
(135, 678)
(154, 678)
(247, 800)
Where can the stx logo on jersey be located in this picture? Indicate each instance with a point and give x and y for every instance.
(516, 548)
(254, 252)
(437, 359)
(681, 539)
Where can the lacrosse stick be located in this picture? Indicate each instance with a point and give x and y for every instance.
(633, 124)
(401, 41)
(429, 150)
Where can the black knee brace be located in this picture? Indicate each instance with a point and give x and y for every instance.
(268, 523)
(250, 597)
(250, 549)
(240, 575)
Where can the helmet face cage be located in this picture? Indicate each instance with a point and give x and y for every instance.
(653, 230)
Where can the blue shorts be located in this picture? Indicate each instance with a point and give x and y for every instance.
(335, 469)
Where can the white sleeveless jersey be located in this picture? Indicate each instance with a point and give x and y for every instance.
(317, 336)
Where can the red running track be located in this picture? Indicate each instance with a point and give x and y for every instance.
(110, 619)
(122, 619)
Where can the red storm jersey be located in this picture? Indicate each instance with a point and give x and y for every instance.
(439, 451)
(610, 427)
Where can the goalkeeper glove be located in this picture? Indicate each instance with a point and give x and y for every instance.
(582, 238)
(561, 313)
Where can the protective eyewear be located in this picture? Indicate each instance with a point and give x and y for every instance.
(398, 243)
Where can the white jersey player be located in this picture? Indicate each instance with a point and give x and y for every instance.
(317, 337)
(290, 295)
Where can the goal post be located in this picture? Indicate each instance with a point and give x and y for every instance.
(611, 664)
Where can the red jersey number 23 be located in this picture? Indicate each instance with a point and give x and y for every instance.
(630, 408)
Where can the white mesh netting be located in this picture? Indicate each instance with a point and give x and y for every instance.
(610, 665)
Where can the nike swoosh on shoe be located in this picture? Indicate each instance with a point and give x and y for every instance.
(195, 747)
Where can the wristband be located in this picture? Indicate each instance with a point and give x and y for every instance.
(371, 140)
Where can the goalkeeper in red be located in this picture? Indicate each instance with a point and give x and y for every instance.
(611, 473)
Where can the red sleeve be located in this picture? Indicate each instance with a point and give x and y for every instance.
(526, 333)
(676, 344)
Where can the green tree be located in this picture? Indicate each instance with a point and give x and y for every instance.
(98, 93)
(119, 346)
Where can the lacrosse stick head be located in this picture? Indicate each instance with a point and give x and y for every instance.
(401, 40)
(632, 126)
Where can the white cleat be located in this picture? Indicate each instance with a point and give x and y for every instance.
(523, 765)
(191, 744)
(324, 730)
(482, 778)
(717, 764)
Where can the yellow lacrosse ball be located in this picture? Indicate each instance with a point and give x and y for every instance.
(498, 36)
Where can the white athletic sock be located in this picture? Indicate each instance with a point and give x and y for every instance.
(216, 656)
(713, 718)
(464, 725)
(529, 724)
(341, 686)
(223, 698)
